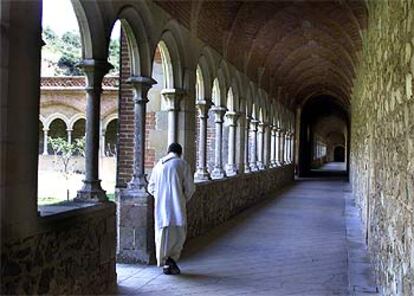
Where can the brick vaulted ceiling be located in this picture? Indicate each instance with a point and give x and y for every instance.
(305, 47)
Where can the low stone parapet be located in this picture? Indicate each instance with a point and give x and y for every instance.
(215, 202)
(66, 253)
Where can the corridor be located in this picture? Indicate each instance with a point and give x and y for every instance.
(293, 244)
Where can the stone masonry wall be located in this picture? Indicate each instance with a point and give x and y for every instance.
(73, 253)
(382, 143)
(214, 202)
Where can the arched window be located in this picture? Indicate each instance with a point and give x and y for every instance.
(230, 107)
(200, 94)
(111, 135)
(200, 97)
(157, 107)
(57, 129)
(78, 129)
(41, 137)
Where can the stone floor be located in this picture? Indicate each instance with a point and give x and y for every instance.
(332, 167)
(294, 244)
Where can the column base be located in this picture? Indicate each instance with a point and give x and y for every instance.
(261, 166)
(254, 167)
(138, 184)
(91, 190)
(247, 169)
(231, 170)
(273, 164)
(136, 238)
(218, 173)
(202, 174)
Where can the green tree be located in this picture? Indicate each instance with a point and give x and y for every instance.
(114, 58)
(64, 152)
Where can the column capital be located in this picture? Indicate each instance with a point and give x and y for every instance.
(253, 124)
(205, 102)
(141, 85)
(262, 126)
(219, 112)
(232, 117)
(203, 107)
(173, 97)
(94, 70)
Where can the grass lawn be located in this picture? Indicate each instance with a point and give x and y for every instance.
(49, 200)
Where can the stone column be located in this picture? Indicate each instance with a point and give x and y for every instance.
(261, 138)
(281, 147)
(69, 132)
(95, 71)
(253, 158)
(173, 97)
(267, 146)
(273, 160)
(135, 208)
(231, 168)
(45, 141)
(287, 147)
(103, 131)
(277, 148)
(202, 173)
(218, 171)
(246, 145)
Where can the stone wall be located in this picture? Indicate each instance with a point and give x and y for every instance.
(71, 253)
(382, 143)
(214, 202)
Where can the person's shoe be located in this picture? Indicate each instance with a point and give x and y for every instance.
(171, 267)
(166, 269)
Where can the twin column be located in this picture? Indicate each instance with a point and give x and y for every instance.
(94, 70)
(202, 173)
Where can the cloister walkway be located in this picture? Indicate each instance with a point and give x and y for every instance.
(295, 244)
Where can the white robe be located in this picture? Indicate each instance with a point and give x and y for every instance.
(172, 185)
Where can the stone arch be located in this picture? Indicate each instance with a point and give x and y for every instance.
(207, 65)
(200, 85)
(57, 128)
(205, 69)
(235, 89)
(91, 27)
(54, 116)
(74, 119)
(133, 26)
(111, 137)
(216, 92)
(108, 119)
(219, 83)
(230, 100)
(172, 57)
(167, 67)
(78, 129)
(41, 136)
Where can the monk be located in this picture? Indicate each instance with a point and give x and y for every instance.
(172, 186)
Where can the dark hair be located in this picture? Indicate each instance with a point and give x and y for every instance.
(175, 148)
